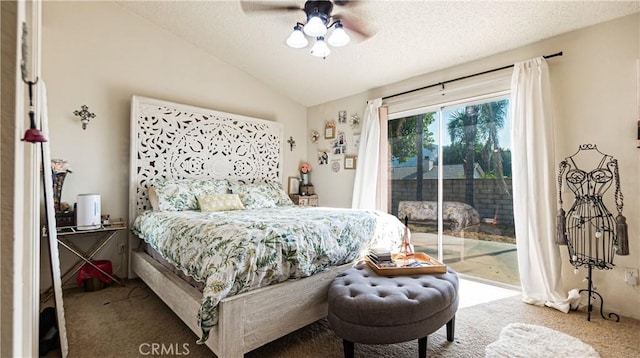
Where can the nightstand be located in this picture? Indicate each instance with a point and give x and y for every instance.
(64, 235)
(305, 200)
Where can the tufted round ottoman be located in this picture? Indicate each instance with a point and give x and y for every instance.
(371, 309)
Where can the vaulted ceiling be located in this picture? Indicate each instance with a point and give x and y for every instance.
(410, 37)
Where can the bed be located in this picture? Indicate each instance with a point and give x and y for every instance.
(196, 157)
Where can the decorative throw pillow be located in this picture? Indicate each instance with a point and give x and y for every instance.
(255, 196)
(220, 202)
(181, 194)
(282, 198)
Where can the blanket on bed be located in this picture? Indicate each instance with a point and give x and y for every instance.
(235, 251)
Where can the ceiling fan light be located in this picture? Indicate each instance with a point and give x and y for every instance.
(297, 38)
(338, 37)
(320, 48)
(315, 26)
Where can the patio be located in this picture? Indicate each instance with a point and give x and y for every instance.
(477, 254)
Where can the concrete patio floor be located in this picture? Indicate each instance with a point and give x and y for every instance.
(485, 260)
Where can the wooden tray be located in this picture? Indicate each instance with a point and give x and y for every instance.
(429, 266)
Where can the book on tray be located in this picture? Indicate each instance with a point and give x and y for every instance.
(385, 263)
(379, 255)
(384, 259)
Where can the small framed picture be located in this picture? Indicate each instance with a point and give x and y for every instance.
(329, 131)
(323, 157)
(294, 185)
(350, 161)
(342, 116)
(340, 144)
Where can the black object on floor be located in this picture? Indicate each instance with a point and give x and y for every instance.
(49, 337)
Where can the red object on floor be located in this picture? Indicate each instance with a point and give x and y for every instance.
(87, 271)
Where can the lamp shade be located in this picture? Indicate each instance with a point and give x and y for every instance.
(338, 36)
(320, 48)
(297, 38)
(315, 27)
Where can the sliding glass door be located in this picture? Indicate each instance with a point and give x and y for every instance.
(450, 173)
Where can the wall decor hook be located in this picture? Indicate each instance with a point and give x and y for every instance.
(84, 115)
(292, 143)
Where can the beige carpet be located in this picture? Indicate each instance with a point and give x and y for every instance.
(124, 321)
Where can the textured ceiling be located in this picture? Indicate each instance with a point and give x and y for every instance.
(411, 38)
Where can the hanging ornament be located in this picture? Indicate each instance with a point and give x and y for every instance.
(33, 134)
(292, 143)
(355, 121)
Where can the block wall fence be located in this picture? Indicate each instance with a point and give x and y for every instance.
(490, 199)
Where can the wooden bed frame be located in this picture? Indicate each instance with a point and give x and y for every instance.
(160, 132)
(246, 321)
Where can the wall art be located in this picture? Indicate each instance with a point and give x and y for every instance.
(335, 165)
(355, 121)
(342, 117)
(339, 146)
(323, 157)
(350, 161)
(330, 130)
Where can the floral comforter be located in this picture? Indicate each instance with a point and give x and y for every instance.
(236, 251)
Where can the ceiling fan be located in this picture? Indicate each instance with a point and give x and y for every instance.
(319, 20)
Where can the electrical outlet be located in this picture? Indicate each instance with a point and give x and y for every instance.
(120, 248)
(631, 276)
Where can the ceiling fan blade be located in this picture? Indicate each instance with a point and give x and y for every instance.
(346, 2)
(261, 6)
(354, 26)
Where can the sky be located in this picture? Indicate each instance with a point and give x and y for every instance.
(504, 136)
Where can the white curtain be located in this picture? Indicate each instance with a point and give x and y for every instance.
(534, 187)
(365, 185)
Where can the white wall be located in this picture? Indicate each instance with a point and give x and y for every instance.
(334, 188)
(595, 101)
(99, 54)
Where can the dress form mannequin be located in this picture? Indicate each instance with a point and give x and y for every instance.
(591, 233)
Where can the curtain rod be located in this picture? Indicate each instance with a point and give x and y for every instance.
(462, 78)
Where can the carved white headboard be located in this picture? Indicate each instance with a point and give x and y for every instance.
(175, 141)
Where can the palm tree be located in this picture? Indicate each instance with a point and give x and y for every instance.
(478, 125)
(492, 116)
(463, 130)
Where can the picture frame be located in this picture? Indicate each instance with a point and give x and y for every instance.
(350, 161)
(294, 186)
(330, 130)
(339, 145)
(342, 116)
(323, 157)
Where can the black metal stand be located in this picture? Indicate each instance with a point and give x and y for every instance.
(589, 229)
(590, 306)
